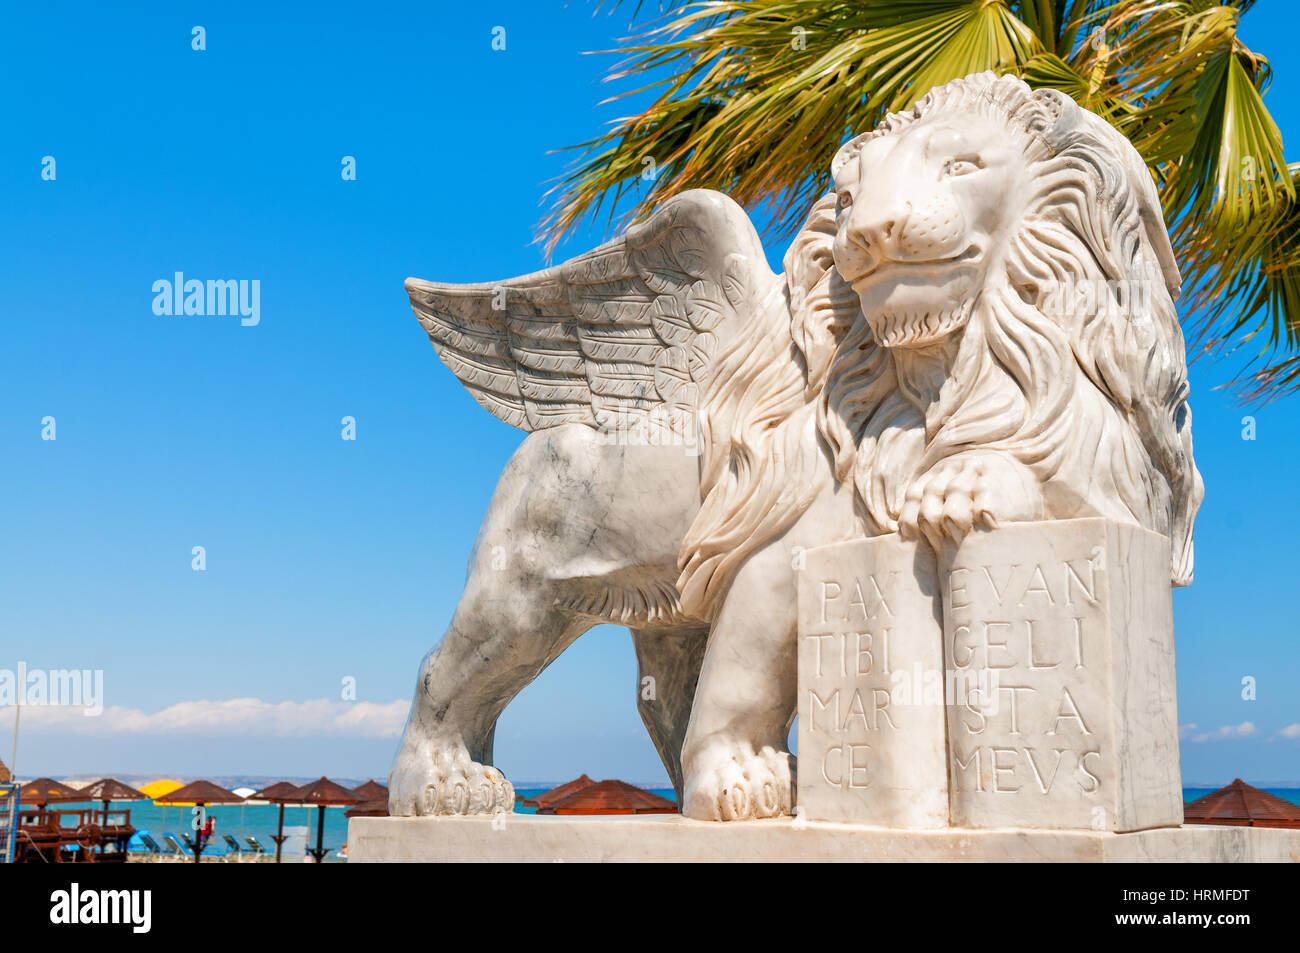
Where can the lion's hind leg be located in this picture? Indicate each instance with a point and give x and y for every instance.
(494, 648)
(579, 531)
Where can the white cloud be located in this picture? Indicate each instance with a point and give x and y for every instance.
(245, 717)
(1185, 730)
(1290, 731)
(1243, 730)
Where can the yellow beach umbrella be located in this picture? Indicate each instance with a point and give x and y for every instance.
(161, 788)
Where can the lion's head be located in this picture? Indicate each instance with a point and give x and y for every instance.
(993, 271)
(922, 216)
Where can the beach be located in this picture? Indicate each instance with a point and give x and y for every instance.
(259, 820)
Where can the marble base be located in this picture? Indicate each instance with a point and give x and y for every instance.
(668, 838)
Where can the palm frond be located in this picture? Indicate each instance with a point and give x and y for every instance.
(753, 99)
(772, 89)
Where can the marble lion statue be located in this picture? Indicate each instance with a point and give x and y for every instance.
(976, 327)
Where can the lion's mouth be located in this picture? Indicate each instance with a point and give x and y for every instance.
(863, 279)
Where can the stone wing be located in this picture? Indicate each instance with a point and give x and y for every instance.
(622, 336)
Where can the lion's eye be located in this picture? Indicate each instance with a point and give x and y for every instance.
(844, 198)
(962, 165)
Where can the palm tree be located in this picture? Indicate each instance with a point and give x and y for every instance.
(753, 99)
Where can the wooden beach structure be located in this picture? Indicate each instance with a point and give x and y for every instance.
(53, 835)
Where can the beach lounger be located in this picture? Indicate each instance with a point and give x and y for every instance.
(236, 852)
(175, 850)
(255, 847)
(151, 847)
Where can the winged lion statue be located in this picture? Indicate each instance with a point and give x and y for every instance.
(975, 327)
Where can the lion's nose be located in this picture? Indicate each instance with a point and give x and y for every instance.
(878, 227)
(881, 232)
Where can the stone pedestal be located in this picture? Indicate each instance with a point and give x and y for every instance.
(1028, 682)
(871, 704)
(669, 838)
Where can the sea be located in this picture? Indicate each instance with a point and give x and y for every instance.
(259, 820)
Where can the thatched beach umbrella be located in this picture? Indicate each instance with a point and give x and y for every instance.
(611, 797)
(1241, 805)
(377, 807)
(111, 789)
(45, 791)
(370, 791)
(372, 801)
(559, 793)
(200, 794)
(278, 793)
(323, 793)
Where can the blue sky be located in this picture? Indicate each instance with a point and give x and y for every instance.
(330, 559)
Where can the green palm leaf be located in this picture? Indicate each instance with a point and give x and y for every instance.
(753, 99)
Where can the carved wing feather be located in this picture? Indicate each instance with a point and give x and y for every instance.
(611, 335)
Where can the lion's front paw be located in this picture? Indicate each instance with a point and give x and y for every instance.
(965, 491)
(730, 782)
(441, 779)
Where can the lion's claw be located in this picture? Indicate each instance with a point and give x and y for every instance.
(733, 783)
(446, 782)
(966, 492)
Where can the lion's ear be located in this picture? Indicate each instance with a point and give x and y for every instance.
(846, 155)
